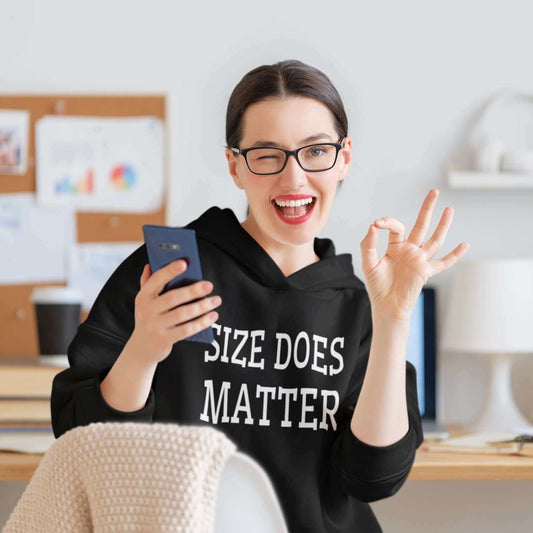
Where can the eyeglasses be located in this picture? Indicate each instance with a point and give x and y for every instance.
(312, 158)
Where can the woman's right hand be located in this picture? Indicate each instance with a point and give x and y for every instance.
(163, 319)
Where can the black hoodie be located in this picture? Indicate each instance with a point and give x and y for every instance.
(281, 378)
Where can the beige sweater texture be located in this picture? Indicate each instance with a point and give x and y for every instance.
(125, 476)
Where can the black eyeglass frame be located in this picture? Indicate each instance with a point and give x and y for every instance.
(288, 153)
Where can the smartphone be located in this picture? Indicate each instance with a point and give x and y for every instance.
(165, 244)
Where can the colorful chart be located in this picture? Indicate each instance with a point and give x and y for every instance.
(68, 185)
(123, 177)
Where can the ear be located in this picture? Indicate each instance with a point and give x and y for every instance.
(232, 167)
(345, 155)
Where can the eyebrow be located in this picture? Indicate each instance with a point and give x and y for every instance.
(303, 141)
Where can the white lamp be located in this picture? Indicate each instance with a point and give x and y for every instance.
(490, 312)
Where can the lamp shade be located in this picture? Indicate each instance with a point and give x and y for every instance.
(490, 308)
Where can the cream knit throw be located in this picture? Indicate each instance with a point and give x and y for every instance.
(125, 476)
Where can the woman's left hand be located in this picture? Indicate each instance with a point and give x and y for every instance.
(395, 282)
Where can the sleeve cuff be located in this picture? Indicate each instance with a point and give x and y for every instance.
(377, 463)
(94, 408)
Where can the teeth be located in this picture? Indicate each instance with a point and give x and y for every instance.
(293, 203)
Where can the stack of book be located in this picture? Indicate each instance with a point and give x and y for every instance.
(25, 390)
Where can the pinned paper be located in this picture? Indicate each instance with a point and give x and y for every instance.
(34, 241)
(100, 164)
(14, 135)
(91, 264)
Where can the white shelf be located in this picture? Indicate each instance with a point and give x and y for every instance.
(467, 179)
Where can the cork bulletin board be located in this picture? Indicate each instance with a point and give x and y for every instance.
(18, 328)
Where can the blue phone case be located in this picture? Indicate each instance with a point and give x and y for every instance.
(165, 244)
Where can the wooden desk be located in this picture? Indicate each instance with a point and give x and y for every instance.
(428, 466)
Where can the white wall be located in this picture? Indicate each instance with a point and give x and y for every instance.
(411, 74)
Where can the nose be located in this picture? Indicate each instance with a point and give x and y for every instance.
(293, 175)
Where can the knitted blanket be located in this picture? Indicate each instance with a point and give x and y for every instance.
(125, 476)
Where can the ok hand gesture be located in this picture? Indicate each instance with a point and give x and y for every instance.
(395, 282)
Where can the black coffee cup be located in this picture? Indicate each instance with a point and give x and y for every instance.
(57, 311)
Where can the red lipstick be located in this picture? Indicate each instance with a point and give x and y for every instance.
(294, 219)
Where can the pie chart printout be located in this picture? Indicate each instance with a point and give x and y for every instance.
(123, 177)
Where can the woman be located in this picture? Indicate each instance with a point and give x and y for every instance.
(307, 373)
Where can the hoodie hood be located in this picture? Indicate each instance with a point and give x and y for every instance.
(221, 228)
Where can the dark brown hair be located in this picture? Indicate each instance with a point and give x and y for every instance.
(285, 78)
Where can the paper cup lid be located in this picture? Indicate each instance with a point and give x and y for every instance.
(56, 295)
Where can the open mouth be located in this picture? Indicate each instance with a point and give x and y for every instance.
(297, 211)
